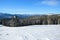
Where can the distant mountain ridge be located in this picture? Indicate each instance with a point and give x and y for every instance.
(6, 15)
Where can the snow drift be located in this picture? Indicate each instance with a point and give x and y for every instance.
(34, 32)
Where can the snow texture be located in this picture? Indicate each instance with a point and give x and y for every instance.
(34, 32)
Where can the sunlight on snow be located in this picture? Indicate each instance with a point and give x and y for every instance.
(34, 32)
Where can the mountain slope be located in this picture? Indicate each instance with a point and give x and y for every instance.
(6, 15)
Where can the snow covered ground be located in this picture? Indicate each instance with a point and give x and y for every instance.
(34, 32)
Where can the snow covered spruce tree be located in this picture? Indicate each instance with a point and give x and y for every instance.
(14, 21)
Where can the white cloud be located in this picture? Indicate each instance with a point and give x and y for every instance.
(50, 2)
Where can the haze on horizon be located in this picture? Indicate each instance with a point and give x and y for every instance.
(30, 6)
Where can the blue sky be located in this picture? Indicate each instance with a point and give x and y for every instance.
(30, 6)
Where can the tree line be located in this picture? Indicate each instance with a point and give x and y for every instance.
(32, 20)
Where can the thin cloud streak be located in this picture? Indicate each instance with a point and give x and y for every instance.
(50, 2)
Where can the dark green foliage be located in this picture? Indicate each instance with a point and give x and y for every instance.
(32, 20)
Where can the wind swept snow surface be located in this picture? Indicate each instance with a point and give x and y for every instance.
(35, 32)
